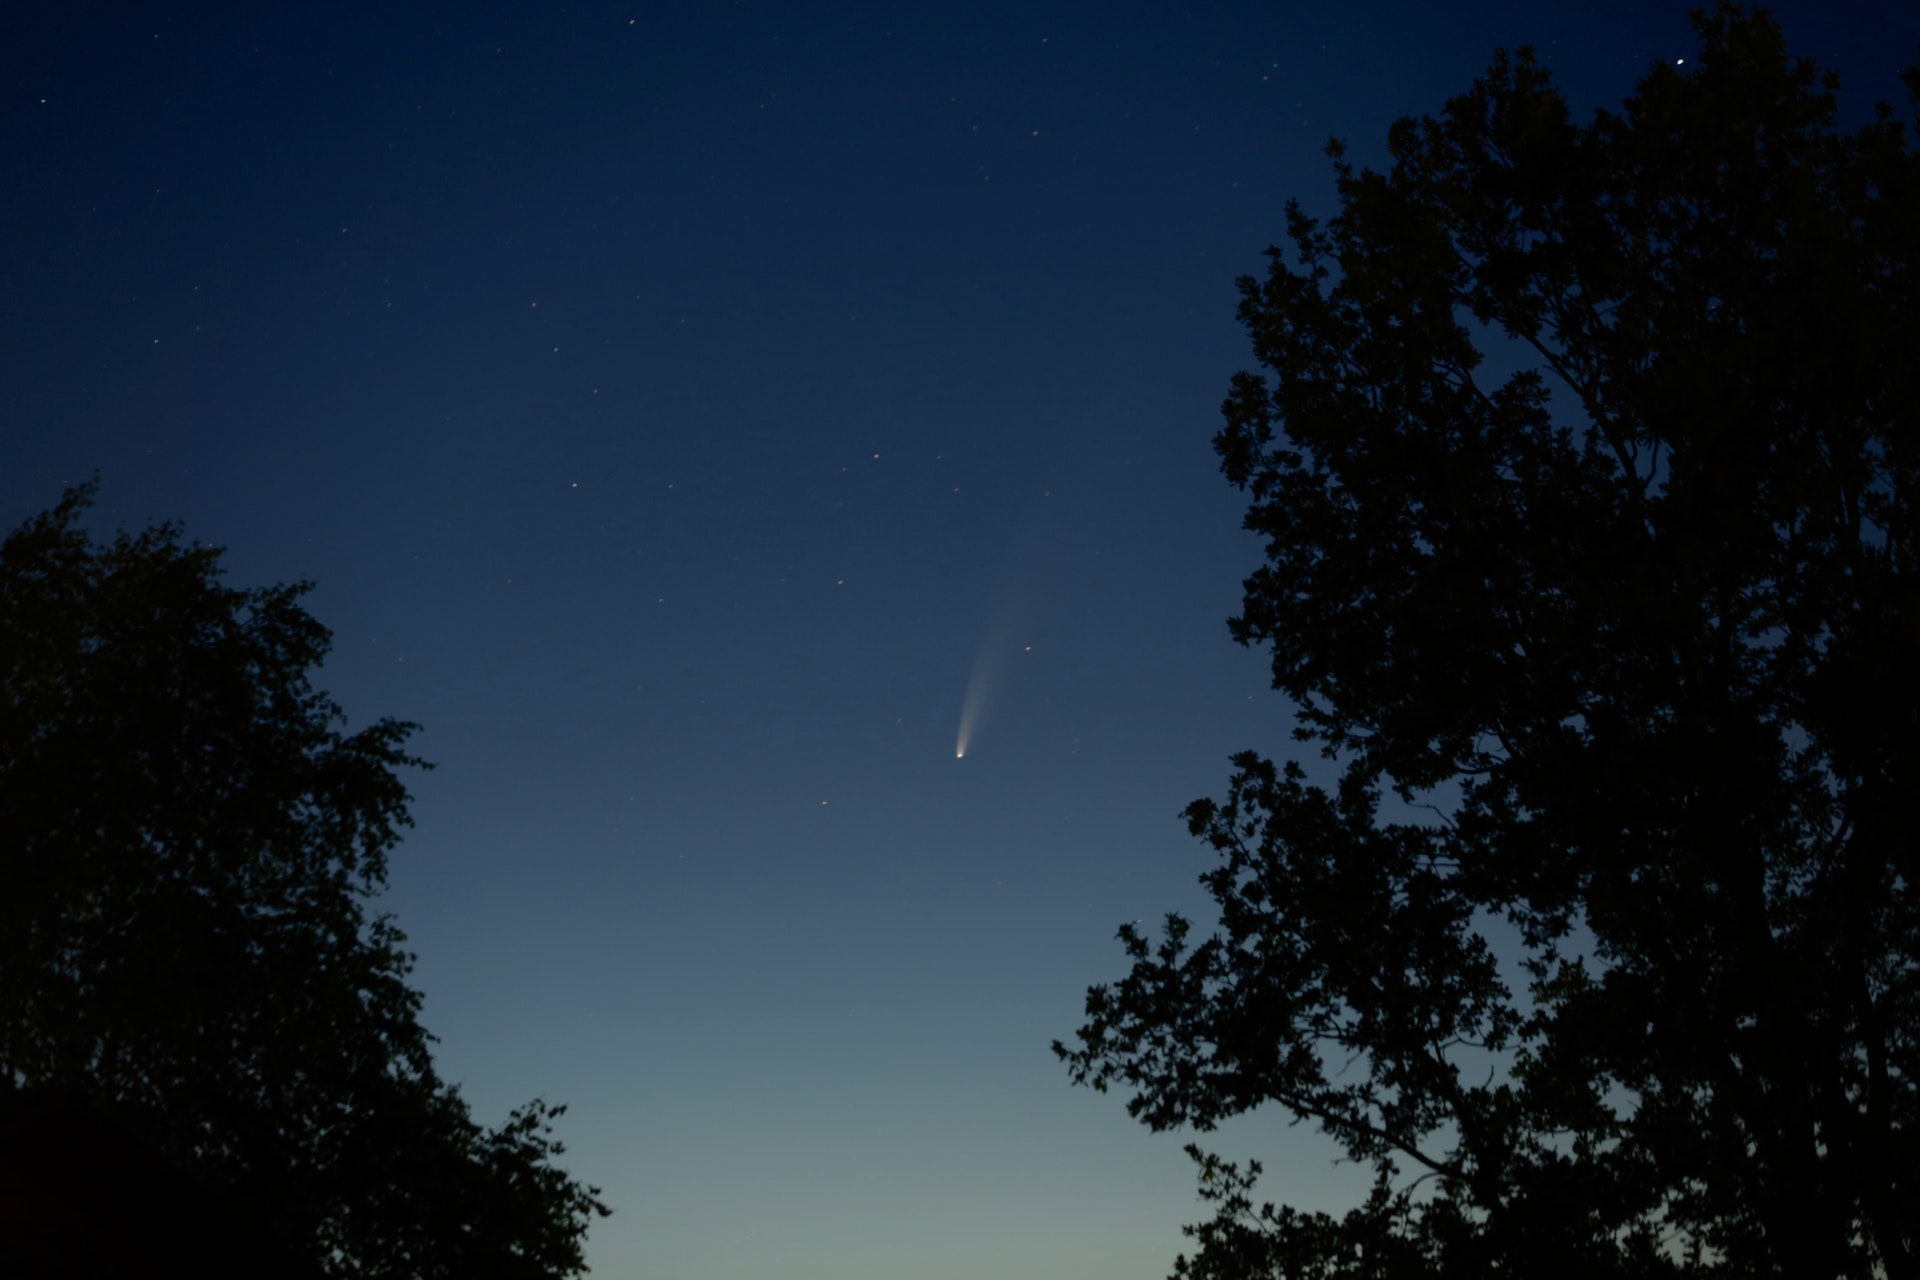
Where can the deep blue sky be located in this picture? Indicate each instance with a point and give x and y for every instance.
(674, 404)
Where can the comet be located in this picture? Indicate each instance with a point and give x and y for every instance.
(995, 647)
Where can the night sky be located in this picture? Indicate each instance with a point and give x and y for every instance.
(685, 411)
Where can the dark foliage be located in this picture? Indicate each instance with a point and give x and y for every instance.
(1586, 462)
(189, 848)
(85, 1194)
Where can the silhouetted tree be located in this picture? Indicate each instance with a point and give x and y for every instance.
(188, 847)
(1586, 463)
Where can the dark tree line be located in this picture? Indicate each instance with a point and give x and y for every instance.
(190, 846)
(1586, 458)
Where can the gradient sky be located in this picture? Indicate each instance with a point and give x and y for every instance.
(676, 406)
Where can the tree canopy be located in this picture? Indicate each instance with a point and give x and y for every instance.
(1585, 459)
(189, 849)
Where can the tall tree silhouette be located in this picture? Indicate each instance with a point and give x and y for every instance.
(188, 851)
(1585, 456)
